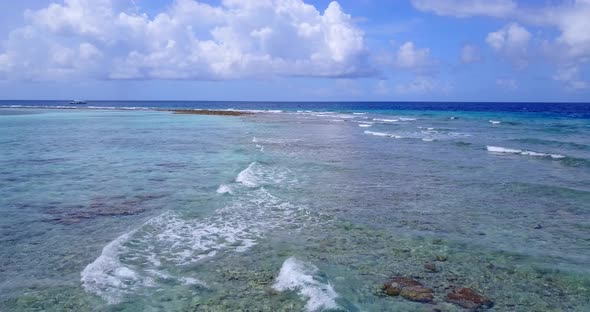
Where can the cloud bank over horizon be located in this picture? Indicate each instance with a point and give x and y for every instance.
(258, 40)
(189, 40)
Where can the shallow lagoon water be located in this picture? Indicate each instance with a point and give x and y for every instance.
(143, 211)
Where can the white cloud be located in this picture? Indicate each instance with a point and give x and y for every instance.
(81, 17)
(512, 42)
(572, 18)
(507, 83)
(470, 54)
(568, 50)
(422, 85)
(570, 76)
(466, 8)
(189, 40)
(408, 56)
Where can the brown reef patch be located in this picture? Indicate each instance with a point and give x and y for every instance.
(208, 112)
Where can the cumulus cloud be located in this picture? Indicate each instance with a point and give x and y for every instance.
(568, 52)
(512, 42)
(571, 18)
(570, 76)
(466, 8)
(410, 57)
(470, 54)
(189, 40)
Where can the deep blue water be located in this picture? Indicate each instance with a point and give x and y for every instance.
(570, 110)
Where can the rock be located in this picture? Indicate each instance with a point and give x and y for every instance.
(395, 286)
(101, 207)
(417, 293)
(208, 112)
(431, 267)
(409, 289)
(441, 258)
(406, 281)
(469, 299)
(392, 288)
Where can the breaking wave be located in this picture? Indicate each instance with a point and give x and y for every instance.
(504, 150)
(303, 278)
(152, 254)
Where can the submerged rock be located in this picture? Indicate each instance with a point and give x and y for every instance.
(395, 286)
(431, 268)
(417, 293)
(441, 258)
(392, 288)
(409, 289)
(101, 207)
(406, 281)
(469, 299)
(208, 112)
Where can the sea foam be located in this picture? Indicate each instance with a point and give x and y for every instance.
(224, 189)
(385, 120)
(504, 150)
(302, 277)
(248, 176)
(375, 133)
(383, 134)
(108, 277)
(138, 260)
(257, 174)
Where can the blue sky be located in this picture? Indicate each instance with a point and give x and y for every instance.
(295, 50)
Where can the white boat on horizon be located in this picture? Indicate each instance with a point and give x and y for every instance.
(78, 102)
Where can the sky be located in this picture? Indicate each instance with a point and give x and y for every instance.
(296, 50)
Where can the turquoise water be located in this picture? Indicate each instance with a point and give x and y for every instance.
(108, 210)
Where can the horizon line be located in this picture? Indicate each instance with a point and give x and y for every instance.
(308, 101)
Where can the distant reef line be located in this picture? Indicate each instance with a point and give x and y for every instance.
(175, 111)
(208, 112)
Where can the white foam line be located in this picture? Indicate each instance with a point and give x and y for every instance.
(224, 189)
(299, 276)
(247, 176)
(107, 277)
(383, 134)
(386, 120)
(375, 133)
(504, 150)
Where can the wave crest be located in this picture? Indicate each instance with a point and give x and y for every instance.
(302, 277)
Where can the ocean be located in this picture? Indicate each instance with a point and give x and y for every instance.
(123, 206)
